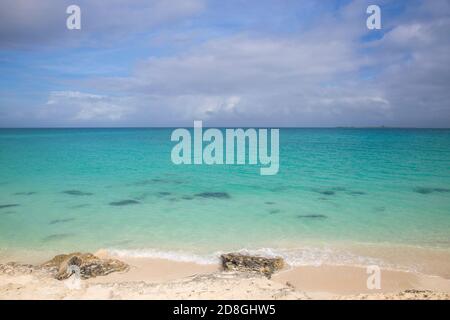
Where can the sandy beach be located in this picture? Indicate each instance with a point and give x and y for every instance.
(163, 279)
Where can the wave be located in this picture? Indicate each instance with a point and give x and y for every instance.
(180, 256)
(306, 256)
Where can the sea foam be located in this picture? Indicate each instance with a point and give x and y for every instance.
(306, 256)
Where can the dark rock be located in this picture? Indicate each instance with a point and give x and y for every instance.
(217, 195)
(247, 263)
(3, 206)
(123, 203)
(325, 192)
(441, 189)
(425, 190)
(357, 193)
(317, 216)
(77, 193)
(24, 193)
(61, 220)
(331, 191)
(58, 236)
(89, 265)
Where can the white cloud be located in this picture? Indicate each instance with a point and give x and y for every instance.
(27, 23)
(251, 78)
(79, 106)
(309, 79)
(324, 75)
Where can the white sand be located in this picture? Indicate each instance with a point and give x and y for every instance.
(164, 279)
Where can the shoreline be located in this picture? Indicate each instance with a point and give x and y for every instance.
(150, 278)
(431, 261)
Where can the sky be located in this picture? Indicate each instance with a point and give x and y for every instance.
(261, 63)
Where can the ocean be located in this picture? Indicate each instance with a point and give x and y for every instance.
(336, 190)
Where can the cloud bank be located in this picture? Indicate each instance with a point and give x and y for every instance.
(330, 73)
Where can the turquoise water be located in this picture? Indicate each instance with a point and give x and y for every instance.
(335, 186)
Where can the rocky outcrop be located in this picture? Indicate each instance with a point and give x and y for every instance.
(14, 268)
(247, 263)
(88, 265)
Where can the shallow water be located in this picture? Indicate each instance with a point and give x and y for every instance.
(86, 189)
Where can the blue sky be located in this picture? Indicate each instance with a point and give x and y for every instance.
(228, 63)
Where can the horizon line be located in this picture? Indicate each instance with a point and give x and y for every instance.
(225, 127)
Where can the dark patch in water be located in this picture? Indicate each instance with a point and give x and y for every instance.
(441, 190)
(164, 193)
(123, 203)
(58, 236)
(77, 193)
(357, 193)
(173, 199)
(187, 198)
(269, 202)
(322, 198)
(61, 220)
(24, 193)
(216, 195)
(78, 206)
(330, 191)
(8, 212)
(274, 211)
(3, 206)
(425, 190)
(326, 192)
(316, 216)
(379, 209)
